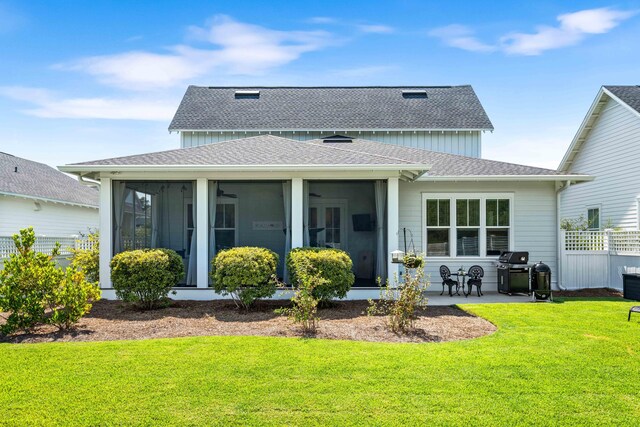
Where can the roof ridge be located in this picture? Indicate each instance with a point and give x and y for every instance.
(320, 143)
(197, 147)
(333, 87)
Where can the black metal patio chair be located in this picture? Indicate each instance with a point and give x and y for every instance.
(634, 309)
(475, 273)
(445, 273)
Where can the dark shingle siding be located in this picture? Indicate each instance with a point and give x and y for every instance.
(315, 108)
(630, 95)
(273, 150)
(41, 181)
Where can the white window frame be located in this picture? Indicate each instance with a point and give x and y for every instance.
(229, 201)
(453, 249)
(592, 207)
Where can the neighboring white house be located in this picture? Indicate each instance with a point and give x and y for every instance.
(34, 194)
(345, 167)
(607, 146)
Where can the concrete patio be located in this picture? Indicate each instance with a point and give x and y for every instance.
(488, 298)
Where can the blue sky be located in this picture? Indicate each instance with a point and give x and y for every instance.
(84, 80)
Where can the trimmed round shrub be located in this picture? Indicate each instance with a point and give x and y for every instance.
(246, 273)
(146, 276)
(332, 265)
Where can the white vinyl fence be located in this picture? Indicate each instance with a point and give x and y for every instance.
(596, 259)
(45, 244)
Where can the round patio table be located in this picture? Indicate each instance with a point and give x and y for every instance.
(461, 279)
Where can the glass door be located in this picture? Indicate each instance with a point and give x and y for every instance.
(327, 224)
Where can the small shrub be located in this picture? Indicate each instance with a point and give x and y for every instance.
(332, 265)
(34, 290)
(145, 276)
(71, 299)
(400, 304)
(305, 305)
(25, 281)
(88, 260)
(245, 273)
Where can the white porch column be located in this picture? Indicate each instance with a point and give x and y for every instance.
(297, 213)
(393, 224)
(202, 233)
(106, 233)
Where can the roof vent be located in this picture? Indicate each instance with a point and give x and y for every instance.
(414, 93)
(247, 94)
(337, 139)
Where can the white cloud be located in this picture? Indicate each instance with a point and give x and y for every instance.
(237, 49)
(48, 104)
(376, 29)
(461, 37)
(573, 28)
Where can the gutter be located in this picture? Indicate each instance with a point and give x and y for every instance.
(556, 178)
(44, 199)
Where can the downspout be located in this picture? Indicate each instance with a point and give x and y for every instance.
(83, 181)
(559, 238)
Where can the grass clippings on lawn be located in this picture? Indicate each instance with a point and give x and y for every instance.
(345, 320)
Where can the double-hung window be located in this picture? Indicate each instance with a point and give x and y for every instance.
(438, 227)
(467, 225)
(593, 218)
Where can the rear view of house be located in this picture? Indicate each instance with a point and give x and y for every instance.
(355, 168)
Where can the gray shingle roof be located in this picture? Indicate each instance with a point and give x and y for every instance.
(41, 181)
(630, 95)
(330, 108)
(274, 150)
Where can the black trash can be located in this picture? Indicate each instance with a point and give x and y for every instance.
(541, 282)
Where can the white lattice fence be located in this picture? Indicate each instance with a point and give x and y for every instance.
(593, 259)
(45, 244)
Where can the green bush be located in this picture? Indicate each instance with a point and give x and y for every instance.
(333, 265)
(145, 276)
(305, 306)
(88, 260)
(245, 273)
(401, 303)
(71, 299)
(35, 290)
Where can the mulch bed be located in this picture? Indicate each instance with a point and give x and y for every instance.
(590, 293)
(345, 320)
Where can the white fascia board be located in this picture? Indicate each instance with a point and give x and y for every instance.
(511, 178)
(44, 199)
(582, 132)
(335, 130)
(248, 168)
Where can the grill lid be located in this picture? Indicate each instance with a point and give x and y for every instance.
(514, 257)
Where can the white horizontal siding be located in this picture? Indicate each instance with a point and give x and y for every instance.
(466, 143)
(534, 225)
(611, 153)
(53, 219)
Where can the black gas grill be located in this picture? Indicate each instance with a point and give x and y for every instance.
(513, 273)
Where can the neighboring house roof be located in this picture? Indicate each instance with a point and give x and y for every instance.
(630, 95)
(627, 96)
(26, 178)
(267, 152)
(331, 108)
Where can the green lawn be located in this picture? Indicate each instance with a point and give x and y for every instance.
(571, 363)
